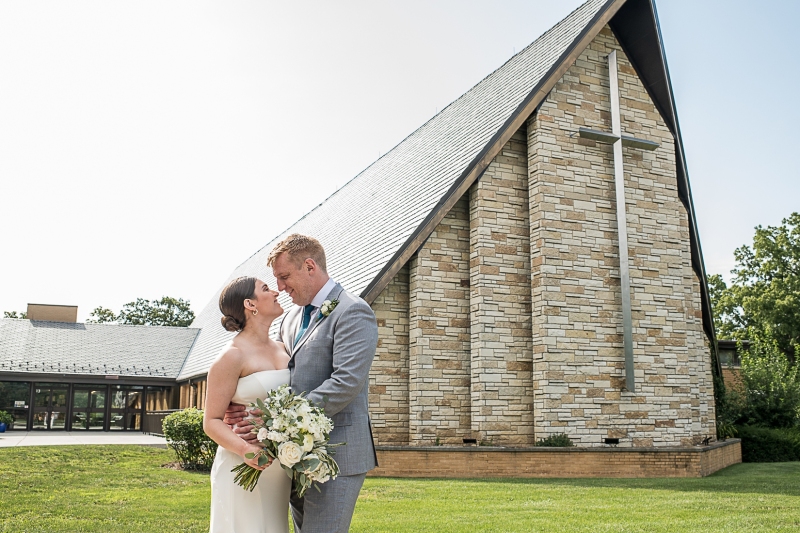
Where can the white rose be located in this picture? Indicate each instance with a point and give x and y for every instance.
(321, 473)
(289, 454)
(308, 442)
(263, 434)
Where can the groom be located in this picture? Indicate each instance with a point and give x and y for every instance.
(331, 354)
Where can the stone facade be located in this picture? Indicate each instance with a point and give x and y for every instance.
(506, 326)
(439, 339)
(388, 386)
(577, 314)
(500, 311)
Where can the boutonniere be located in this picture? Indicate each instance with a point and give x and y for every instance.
(328, 306)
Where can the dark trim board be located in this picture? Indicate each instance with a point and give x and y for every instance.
(81, 379)
(636, 27)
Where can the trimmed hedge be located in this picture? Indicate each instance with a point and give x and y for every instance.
(769, 445)
(185, 436)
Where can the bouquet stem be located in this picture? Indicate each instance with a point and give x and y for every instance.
(246, 476)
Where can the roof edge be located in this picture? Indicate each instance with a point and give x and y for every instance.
(188, 353)
(651, 67)
(484, 158)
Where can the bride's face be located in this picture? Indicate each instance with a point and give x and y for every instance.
(266, 300)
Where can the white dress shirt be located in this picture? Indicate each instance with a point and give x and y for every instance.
(322, 294)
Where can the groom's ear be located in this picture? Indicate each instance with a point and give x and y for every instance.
(309, 265)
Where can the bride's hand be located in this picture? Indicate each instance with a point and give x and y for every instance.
(254, 461)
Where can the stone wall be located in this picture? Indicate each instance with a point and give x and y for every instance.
(577, 316)
(500, 311)
(439, 340)
(388, 383)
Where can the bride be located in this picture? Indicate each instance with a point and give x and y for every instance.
(247, 369)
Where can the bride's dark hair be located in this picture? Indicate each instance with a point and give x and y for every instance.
(231, 302)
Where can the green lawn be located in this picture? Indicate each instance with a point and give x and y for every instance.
(124, 489)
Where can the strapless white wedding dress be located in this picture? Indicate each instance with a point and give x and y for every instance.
(266, 509)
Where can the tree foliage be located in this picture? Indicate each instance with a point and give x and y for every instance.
(764, 295)
(164, 312)
(15, 314)
(101, 315)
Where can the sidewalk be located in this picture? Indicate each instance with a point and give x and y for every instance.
(61, 438)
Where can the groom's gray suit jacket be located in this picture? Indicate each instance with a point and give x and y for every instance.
(332, 359)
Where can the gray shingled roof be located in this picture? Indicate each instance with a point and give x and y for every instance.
(93, 349)
(368, 220)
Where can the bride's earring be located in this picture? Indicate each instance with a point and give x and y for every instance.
(255, 312)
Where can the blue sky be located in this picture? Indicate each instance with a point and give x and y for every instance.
(148, 148)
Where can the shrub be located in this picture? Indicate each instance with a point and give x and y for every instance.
(772, 386)
(559, 440)
(769, 445)
(7, 418)
(185, 436)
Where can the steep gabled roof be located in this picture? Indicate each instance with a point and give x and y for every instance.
(373, 225)
(39, 347)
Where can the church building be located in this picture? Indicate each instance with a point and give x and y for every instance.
(531, 254)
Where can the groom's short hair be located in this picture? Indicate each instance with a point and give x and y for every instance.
(299, 248)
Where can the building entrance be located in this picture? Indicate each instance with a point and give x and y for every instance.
(88, 407)
(126, 407)
(50, 405)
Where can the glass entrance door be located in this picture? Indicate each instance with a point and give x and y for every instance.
(89, 407)
(50, 405)
(126, 407)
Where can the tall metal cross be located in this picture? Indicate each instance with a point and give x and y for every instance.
(618, 140)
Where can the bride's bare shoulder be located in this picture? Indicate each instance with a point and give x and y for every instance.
(230, 356)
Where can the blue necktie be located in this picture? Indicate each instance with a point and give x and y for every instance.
(306, 321)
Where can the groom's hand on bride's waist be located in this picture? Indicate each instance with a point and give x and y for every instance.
(235, 418)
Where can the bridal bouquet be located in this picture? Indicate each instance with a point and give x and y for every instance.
(295, 432)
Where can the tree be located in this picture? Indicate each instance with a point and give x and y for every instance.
(727, 313)
(101, 315)
(13, 314)
(164, 312)
(771, 393)
(764, 295)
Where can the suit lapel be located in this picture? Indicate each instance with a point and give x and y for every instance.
(316, 320)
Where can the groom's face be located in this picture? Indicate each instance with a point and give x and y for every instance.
(295, 280)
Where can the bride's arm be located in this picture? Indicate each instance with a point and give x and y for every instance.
(223, 377)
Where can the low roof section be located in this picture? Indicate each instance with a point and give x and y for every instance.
(39, 349)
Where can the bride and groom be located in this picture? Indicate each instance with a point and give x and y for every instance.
(328, 356)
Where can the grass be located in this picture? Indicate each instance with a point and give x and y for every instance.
(124, 489)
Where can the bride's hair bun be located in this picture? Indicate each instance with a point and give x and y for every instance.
(231, 324)
(231, 302)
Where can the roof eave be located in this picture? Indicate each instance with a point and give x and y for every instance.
(638, 31)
